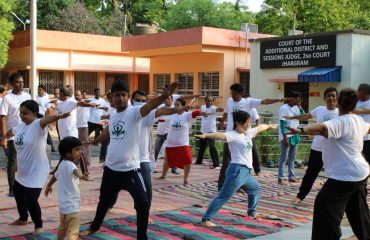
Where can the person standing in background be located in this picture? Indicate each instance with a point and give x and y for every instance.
(208, 125)
(364, 102)
(288, 142)
(9, 111)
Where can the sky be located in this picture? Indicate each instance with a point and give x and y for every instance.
(254, 5)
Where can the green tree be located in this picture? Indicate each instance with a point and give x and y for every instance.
(194, 13)
(6, 27)
(75, 18)
(314, 15)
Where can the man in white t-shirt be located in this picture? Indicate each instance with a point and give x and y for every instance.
(94, 122)
(42, 99)
(9, 111)
(122, 166)
(363, 103)
(288, 142)
(83, 114)
(315, 164)
(67, 127)
(208, 125)
(234, 104)
(346, 187)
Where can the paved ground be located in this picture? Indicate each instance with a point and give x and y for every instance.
(90, 192)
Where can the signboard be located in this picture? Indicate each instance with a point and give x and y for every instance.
(318, 51)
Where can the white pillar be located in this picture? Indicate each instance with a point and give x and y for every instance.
(33, 77)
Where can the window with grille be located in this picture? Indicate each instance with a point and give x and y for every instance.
(86, 81)
(51, 79)
(160, 80)
(186, 83)
(209, 84)
(245, 81)
(110, 78)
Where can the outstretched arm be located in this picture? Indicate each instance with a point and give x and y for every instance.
(314, 129)
(264, 127)
(215, 136)
(155, 102)
(268, 101)
(50, 119)
(302, 117)
(166, 111)
(361, 111)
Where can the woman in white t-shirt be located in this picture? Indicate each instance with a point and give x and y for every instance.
(32, 162)
(321, 114)
(347, 170)
(178, 150)
(238, 173)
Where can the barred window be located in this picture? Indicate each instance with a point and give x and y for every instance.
(245, 81)
(186, 83)
(110, 78)
(51, 79)
(86, 81)
(209, 83)
(160, 80)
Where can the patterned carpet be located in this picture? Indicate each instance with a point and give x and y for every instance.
(275, 210)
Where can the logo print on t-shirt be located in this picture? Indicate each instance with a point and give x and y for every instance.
(118, 129)
(235, 108)
(19, 140)
(176, 124)
(248, 145)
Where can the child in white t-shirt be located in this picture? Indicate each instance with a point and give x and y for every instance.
(68, 177)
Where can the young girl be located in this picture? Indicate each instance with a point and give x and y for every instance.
(68, 177)
(238, 173)
(178, 151)
(32, 162)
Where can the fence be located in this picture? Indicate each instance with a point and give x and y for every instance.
(268, 146)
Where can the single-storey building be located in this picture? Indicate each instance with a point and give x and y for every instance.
(309, 64)
(203, 60)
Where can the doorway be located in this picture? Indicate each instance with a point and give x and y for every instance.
(303, 88)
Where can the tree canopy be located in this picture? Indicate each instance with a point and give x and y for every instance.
(6, 27)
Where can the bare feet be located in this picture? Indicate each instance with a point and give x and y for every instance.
(38, 231)
(87, 232)
(297, 201)
(19, 222)
(186, 182)
(150, 221)
(208, 224)
(161, 178)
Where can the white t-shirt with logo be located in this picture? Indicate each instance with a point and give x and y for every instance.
(163, 123)
(287, 110)
(145, 135)
(179, 131)
(240, 145)
(32, 161)
(124, 130)
(366, 117)
(10, 108)
(68, 188)
(67, 127)
(83, 114)
(322, 114)
(245, 104)
(96, 113)
(341, 155)
(44, 103)
(208, 124)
